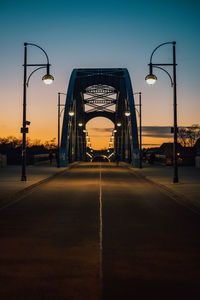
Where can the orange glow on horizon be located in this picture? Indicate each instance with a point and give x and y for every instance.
(100, 131)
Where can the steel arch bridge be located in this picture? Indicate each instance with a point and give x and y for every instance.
(99, 93)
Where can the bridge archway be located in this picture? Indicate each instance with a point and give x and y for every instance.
(99, 132)
(93, 115)
(99, 92)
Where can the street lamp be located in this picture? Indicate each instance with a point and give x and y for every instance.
(71, 113)
(127, 113)
(59, 115)
(119, 124)
(151, 79)
(47, 79)
(140, 116)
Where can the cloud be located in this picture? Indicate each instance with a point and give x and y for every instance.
(157, 131)
(147, 131)
(102, 129)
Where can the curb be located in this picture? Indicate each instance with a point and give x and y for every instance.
(179, 198)
(15, 197)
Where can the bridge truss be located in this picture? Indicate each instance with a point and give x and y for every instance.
(99, 93)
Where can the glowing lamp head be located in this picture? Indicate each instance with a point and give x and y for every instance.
(80, 124)
(47, 79)
(127, 113)
(71, 113)
(115, 130)
(119, 124)
(151, 79)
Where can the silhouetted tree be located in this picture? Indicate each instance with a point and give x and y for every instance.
(51, 145)
(11, 146)
(187, 136)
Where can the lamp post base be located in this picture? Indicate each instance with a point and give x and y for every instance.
(23, 178)
(175, 179)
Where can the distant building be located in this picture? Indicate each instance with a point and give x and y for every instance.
(165, 153)
(186, 155)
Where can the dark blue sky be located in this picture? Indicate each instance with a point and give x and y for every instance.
(98, 34)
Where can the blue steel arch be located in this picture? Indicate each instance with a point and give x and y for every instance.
(92, 115)
(117, 78)
(68, 103)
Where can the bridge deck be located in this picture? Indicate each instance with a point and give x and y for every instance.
(99, 230)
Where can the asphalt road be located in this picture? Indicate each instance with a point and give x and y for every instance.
(99, 232)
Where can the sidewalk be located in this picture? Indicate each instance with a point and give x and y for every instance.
(187, 190)
(11, 185)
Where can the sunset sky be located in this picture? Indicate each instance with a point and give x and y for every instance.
(89, 34)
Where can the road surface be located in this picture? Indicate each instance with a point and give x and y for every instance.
(99, 232)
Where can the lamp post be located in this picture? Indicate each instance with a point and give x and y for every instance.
(140, 116)
(47, 79)
(59, 114)
(151, 79)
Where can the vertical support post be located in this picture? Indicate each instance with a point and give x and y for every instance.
(58, 154)
(140, 113)
(175, 179)
(71, 141)
(23, 176)
(117, 143)
(76, 135)
(126, 139)
(79, 143)
(115, 148)
(120, 143)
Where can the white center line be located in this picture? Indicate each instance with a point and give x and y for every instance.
(100, 229)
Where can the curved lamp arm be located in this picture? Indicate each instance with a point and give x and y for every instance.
(62, 110)
(172, 84)
(32, 74)
(137, 93)
(25, 44)
(137, 111)
(159, 47)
